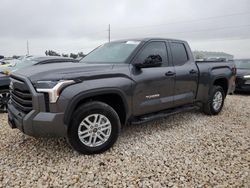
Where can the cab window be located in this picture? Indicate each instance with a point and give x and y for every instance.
(179, 53)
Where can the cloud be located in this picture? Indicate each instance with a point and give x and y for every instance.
(72, 26)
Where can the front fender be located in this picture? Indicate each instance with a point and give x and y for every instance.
(72, 95)
(92, 93)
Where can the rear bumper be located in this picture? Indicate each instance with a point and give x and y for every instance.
(243, 88)
(37, 124)
(242, 84)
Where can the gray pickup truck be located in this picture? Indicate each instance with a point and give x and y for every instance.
(118, 83)
(25, 62)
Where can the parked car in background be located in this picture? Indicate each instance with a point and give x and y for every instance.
(4, 92)
(11, 63)
(243, 75)
(121, 82)
(21, 64)
(4, 63)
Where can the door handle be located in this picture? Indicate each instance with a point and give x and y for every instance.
(169, 73)
(192, 71)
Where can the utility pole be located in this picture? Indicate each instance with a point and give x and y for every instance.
(109, 32)
(28, 50)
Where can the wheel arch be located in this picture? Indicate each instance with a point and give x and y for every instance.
(223, 82)
(103, 95)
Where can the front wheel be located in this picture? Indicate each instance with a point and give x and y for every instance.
(4, 98)
(215, 101)
(94, 129)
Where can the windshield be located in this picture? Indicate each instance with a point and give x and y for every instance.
(242, 64)
(114, 52)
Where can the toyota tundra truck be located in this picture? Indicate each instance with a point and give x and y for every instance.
(118, 83)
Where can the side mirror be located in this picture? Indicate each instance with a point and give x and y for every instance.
(150, 61)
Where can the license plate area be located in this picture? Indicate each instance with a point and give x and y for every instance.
(15, 117)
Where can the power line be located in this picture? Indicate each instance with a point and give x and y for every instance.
(177, 22)
(201, 30)
(225, 39)
(186, 21)
(210, 29)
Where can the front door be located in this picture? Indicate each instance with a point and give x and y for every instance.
(154, 86)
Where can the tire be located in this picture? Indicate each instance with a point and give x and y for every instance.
(4, 98)
(210, 107)
(82, 125)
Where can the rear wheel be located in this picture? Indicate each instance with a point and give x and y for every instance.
(215, 102)
(4, 98)
(94, 129)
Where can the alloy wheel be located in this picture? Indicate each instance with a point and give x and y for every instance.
(4, 98)
(217, 100)
(94, 130)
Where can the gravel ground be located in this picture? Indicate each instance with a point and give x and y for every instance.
(185, 150)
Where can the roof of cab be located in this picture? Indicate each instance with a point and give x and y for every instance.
(148, 39)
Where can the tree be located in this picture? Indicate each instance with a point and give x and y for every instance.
(65, 55)
(51, 53)
(15, 56)
(81, 54)
(73, 55)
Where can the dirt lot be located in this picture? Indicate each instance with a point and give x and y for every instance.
(185, 150)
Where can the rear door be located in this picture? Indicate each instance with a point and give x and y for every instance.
(186, 70)
(154, 86)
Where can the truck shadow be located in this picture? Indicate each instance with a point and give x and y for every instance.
(242, 93)
(59, 146)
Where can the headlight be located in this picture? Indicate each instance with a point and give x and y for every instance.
(53, 88)
(246, 76)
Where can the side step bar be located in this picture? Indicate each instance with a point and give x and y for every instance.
(162, 114)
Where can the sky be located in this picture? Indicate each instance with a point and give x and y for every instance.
(80, 25)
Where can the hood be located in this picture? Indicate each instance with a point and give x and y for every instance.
(61, 71)
(242, 72)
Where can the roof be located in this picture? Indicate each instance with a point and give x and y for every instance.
(148, 39)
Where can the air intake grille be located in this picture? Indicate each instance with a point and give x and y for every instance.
(20, 95)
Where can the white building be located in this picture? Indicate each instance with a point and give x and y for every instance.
(205, 55)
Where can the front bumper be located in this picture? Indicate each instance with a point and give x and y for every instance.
(37, 122)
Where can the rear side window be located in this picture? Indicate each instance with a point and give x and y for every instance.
(179, 53)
